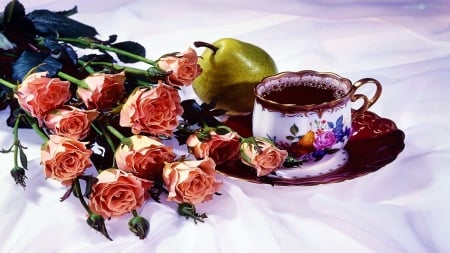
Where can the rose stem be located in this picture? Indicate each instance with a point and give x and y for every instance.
(86, 66)
(36, 128)
(7, 84)
(80, 196)
(93, 45)
(78, 82)
(130, 70)
(19, 180)
(207, 45)
(16, 141)
(123, 139)
(104, 132)
(108, 139)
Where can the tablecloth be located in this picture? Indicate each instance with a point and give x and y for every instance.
(402, 207)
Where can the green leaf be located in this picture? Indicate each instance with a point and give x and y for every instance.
(14, 10)
(292, 162)
(4, 151)
(25, 63)
(222, 130)
(90, 182)
(294, 129)
(61, 52)
(58, 24)
(290, 138)
(5, 95)
(29, 60)
(69, 12)
(23, 158)
(132, 47)
(5, 44)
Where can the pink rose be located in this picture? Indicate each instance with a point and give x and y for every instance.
(183, 67)
(262, 155)
(117, 193)
(191, 181)
(220, 147)
(104, 92)
(144, 158)
(70, 121)
(64, 158)
(39, 94)
(324, 139)
(154, 111)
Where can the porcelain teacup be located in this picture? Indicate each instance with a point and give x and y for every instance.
(309, 114)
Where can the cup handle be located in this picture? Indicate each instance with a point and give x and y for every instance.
(367, 103)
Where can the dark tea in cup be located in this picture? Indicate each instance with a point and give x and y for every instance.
(305, 93)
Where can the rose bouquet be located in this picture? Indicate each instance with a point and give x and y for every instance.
(94, 109)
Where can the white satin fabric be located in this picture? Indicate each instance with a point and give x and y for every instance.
(403, 207)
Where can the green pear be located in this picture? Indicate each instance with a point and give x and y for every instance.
(230, 70)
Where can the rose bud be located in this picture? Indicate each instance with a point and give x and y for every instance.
(154, 111)
(118, 192)
(191, 181)
(19, 176)
(97, 222)
(189, 211)
(144, 157)
(262, 154)
(39, 94)
(139, 226)
(183, 67)
(220, 147)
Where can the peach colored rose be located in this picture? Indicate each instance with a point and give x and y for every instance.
(64, 158)
(144, 158)
(220, 147)
(117, 193)
(104, 92)
(191, 181)
(263, 155)
(39, 94)
(70, 121)
(154, 111)
(183, 67)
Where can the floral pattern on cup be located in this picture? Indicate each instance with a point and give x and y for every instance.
(317, 142)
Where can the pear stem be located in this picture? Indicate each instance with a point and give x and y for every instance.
(207, 45)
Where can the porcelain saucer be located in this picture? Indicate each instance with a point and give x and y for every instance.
(374, 143)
